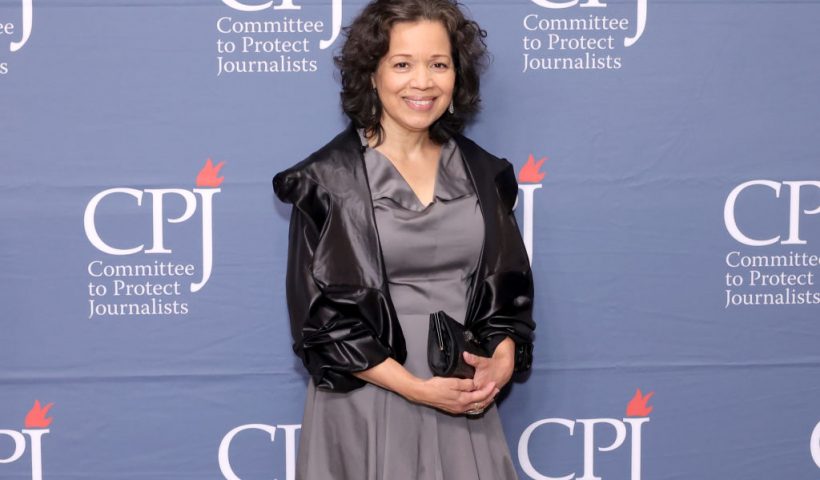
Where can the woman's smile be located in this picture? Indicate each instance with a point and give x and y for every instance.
(422, 104)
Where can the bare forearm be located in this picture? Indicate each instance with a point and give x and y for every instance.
(392, 376)
(454, 395)
(505, 349)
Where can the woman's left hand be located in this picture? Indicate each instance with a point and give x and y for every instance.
(497, 369)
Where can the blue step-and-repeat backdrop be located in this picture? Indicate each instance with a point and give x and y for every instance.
(667, 154)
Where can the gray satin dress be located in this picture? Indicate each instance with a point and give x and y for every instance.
(430, 254)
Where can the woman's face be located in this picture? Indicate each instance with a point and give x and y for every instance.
(415, 79)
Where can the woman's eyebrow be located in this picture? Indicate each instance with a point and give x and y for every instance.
(436, 55)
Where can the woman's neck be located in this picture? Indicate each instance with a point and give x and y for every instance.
(403, 143)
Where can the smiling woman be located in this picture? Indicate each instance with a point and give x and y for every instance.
(415, 79)
(414, 82)
(395, 219)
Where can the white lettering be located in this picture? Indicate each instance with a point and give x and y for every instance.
(528, 189)
(286, 25)
(555, 5)
(336, 15)
(236, 5)
(729, 213)
(336, 25)
(635, 425)
(19, 445)
(287, 5)
(589, 443)
(641, 21)
(225, 445)
(36, 436)
(523, 448)
(290, 448)
(814, 445)
(794, 211)
(207, 195)
(91, 228)
(97, 269)
(28, 13)
(628, 41)
(158, 195)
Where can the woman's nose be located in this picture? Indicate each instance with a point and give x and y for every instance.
(421, 78)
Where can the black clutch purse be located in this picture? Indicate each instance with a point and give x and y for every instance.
(447, 340)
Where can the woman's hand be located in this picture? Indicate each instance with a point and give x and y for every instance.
(455, 395)
(496, 370)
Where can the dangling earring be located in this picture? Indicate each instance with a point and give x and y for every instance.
(375, 101)
(451, 109)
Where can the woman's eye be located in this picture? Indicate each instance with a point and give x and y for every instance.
(401, 65)
(441, 66)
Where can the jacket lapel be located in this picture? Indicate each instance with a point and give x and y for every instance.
(344, 255)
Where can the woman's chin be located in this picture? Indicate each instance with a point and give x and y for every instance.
(417, 122)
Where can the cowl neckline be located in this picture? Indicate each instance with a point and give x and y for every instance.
(387, 183)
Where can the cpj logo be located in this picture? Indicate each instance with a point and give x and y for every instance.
(10, 29)
(637, 414)
(529, 180)
(591, 37)
(156, 287)
(36, 425)
(289, 433)
(251, 40)
(771, 264)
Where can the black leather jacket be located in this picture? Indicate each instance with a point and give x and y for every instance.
(342, 317)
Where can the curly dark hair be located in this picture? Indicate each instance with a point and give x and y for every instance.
(367, 40)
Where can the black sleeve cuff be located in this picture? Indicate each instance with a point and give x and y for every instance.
(523, 352)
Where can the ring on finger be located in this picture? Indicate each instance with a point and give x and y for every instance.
(476, 410)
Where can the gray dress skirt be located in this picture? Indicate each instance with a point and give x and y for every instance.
(430, 254)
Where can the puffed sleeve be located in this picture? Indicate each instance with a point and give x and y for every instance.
(329, 333)
(508, 294)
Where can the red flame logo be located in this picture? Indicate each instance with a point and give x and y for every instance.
(637, 406)
(529, 172)
(36, 417)
(207, 177)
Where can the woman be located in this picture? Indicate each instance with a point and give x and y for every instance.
(397, 217)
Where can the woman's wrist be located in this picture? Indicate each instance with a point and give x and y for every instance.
(504, 355)
(505, 350)
(413, 390)
(392, 376)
